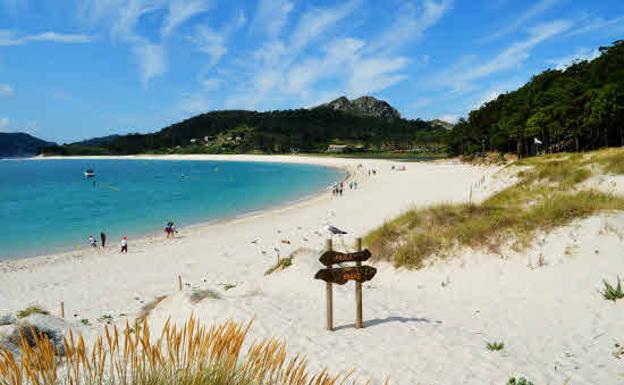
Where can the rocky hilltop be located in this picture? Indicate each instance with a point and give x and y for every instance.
(442, 124)
(365, 106)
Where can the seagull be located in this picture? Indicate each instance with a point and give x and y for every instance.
(333, 230)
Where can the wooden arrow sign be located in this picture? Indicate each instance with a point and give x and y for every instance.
(343, 275)
(331, 257)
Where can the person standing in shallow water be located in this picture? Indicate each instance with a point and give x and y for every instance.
(124, 245)
(103, 239)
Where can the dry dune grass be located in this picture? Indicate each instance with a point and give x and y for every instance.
(187, 355)
(546, 196)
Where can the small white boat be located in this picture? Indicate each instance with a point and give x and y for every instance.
(89, 173)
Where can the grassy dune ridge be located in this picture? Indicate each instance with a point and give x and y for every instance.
(548, 194)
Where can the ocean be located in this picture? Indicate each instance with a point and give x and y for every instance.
(49, 206)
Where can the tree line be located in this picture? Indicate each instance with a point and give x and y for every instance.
(576, 109)
(239, 131)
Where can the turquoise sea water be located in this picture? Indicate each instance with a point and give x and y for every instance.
(48, 206)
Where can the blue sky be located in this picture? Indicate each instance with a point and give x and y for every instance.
(74, 69)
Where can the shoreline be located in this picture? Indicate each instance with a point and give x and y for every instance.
(307, 199)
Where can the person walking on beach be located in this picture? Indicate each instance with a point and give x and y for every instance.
(124, 245)
(92, 241)
(103, 239)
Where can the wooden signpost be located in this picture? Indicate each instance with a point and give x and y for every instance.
(342, 275)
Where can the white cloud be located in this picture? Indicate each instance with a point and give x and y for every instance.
(151, 61)
(4, 122)
(281, 69)
(215, 43)
(520, 51)
(121, 17)
(271, 16)
(126, 18)
(59, 37)
(535, 11)
(339, 57)
(421, 102)
(11, 38)
(563, 62)
(210, 42)
(599, 24)
(375, 74)
(460, 78)
(6, 90)
(194, 103)
(210, 84)
(319, 60)
(180, 11)
(313, 23)
(411, 23)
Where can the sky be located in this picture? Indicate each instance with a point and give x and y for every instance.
(75, 69)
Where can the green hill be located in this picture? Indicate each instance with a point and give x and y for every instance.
(307, 130)
(577, 109)
(20, 144)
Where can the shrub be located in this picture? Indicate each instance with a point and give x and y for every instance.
(495, 346)
(228, 286)
(611, 293)
(199, 295)
(519, 381)
(32, 309)
(148, 307)
(281, 264)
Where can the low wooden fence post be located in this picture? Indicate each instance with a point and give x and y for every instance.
(329, 294)
(180, 282)
(62, 309)
(358, 290)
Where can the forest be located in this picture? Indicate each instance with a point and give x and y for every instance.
(300, 130)
(577, 109)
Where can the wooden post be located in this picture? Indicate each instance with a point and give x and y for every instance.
(180, 282)
(62, 309)
(358, 290)
(329, 294)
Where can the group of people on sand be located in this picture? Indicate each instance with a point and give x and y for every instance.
(170, 231)
(338, 188)
(123, 243)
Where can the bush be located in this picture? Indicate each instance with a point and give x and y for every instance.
(495, 346)
(519, 381)
(32, 309)
(281, 264)
(611, 293)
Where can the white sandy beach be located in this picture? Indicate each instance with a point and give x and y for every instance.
(422, 327)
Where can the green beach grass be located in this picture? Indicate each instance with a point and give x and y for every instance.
(547, 195)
